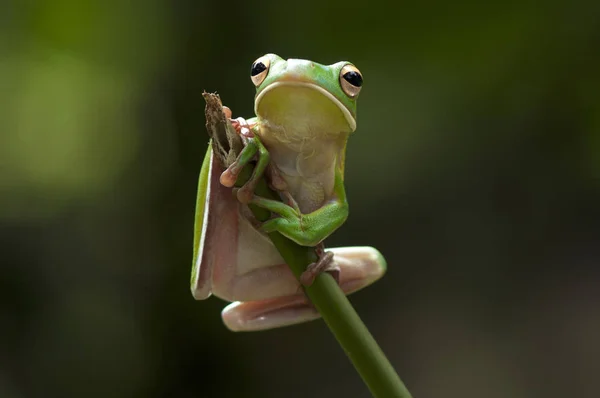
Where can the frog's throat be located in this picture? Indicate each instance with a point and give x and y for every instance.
(349, 118)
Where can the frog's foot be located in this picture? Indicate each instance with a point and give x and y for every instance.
(324, 263)
(242, 127)
(253, 149)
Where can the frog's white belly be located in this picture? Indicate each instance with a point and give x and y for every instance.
(308, 167)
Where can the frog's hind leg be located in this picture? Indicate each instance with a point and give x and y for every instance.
(268, 314)
(359, 267)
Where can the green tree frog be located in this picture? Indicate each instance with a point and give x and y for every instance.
(305, 112)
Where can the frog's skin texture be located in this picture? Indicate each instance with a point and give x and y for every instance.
(304, 114)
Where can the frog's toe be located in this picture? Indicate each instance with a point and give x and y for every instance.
(276, 181)
(324, 263)
(229, 177)
(245, 193)
(242, 127)
(227, 112)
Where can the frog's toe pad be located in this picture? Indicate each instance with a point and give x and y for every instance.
(246, 193)
(228, 178)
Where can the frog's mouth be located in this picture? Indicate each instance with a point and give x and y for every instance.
(292, 101)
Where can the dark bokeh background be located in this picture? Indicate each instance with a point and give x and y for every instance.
(475, 169)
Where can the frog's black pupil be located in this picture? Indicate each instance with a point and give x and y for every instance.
(257, 68)
(353, 78)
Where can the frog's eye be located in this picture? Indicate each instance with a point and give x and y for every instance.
(259, 70)
(351, 80)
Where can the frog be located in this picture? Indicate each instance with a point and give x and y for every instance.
(305, 114)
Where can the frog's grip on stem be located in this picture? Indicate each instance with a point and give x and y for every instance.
(228, 138)
(226, 143)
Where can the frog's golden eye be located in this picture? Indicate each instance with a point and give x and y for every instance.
(259, 70)
(351, 80)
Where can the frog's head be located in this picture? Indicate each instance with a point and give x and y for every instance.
(297, 90)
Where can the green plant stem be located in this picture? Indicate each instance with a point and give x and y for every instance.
(334, 307)
(337, 312)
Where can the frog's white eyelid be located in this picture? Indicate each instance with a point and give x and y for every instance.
(351, 80)
(259, 76)
(345, 111)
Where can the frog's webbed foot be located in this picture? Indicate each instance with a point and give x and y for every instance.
(253, 148)
(324, 263)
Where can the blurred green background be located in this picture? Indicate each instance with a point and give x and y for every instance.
(475, 169)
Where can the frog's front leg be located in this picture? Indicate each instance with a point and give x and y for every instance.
(307, 229)
(253, 148)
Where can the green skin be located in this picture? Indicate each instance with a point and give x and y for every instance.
(311, 228)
